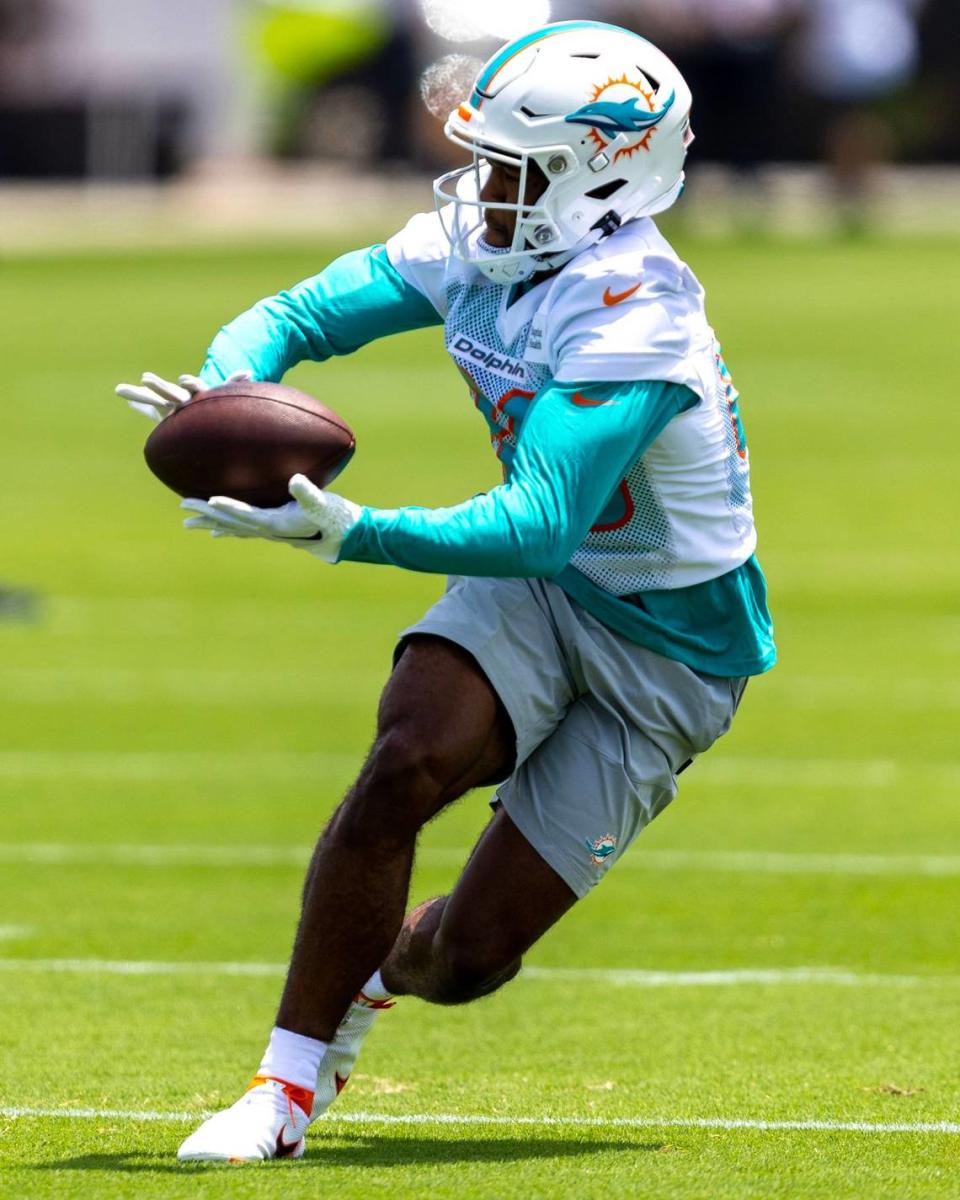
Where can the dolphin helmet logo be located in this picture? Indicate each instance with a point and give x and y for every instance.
(618, 108)
(626, 116)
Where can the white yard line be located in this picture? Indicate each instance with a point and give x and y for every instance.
(771, 862)
(770, 976)
(614, 976)
(364, 1118)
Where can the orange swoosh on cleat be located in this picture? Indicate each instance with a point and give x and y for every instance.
(340, 1081)
(367, 1002)
(611, 298)
(300, 1096)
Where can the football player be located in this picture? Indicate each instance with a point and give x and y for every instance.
(605, 606)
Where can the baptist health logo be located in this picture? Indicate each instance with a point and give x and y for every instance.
(601, 848)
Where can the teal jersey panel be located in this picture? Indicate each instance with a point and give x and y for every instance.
(720, 627)
(356, 299)
(576, 445)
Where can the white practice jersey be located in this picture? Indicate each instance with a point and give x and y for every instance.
(626, 310)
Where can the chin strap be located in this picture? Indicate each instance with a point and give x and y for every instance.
(609, 223)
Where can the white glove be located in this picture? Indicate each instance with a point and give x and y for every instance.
(157, 398)
(315, 520)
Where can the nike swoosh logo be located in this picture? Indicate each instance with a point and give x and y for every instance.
(611, 298)
(339, 1081)
(582, 401)
(285, 1149)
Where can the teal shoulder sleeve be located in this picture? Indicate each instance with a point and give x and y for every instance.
(356, 299)
(574, 447)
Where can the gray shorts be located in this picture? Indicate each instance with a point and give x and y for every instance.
(603, 726)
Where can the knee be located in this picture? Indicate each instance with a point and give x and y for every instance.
(402, 785)
(469, 968)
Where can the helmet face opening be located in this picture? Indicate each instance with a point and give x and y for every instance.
(600, 111)
(465, 215)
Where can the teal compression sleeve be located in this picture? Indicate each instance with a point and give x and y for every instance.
(356, 299)
(575, 446)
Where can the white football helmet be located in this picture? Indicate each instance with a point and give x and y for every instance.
(602, 112)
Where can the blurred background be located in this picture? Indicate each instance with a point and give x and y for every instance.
(809, 114)
(178, 716)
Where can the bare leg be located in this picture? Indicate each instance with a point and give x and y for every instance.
(441, 731)
(455, 948)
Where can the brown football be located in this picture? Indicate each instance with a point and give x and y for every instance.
(245, 440)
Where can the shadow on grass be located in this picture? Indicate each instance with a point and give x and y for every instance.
(365, 1150)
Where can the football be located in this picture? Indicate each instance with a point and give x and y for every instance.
(245, 440)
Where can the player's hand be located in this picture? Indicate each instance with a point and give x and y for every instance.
(315, 520)
(157, 398)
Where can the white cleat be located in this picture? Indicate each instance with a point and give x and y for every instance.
(268, 1121)
(341, 1054)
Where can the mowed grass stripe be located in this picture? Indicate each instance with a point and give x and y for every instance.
(367, 1118)
(13, 933)
(841, 691)
(841, 773)
(169, 764)
(764, 862)
(601, 976)
(70, 684)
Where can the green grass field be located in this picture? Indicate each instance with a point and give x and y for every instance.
(180, 716)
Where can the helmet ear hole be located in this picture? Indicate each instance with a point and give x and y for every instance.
(606, 190)
(609, 223)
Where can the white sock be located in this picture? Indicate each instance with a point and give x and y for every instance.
(292, 1058)
(373, 989)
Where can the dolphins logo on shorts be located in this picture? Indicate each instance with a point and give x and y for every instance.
(601, 848)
